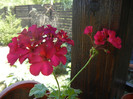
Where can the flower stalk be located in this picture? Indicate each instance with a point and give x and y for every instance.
(94, 52)
(57, 85)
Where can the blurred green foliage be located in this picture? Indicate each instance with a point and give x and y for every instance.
(38, 1)
(66, 3)
(12, 3)
(9, 27)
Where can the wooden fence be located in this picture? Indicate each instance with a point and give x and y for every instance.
(43, 15)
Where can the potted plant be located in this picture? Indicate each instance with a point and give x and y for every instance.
(43, 47)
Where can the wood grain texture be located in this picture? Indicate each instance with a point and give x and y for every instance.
(104, 76)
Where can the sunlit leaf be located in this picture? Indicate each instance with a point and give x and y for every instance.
(39, 90)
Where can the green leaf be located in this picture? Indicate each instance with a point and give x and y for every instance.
(39, 90)
(77, 91)
(54, 94)
(72, 93)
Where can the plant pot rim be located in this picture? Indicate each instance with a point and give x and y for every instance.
(125, 96)
(18, 85)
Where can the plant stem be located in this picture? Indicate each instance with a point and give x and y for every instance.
(92, 40)
(57, 85)
(81, 69)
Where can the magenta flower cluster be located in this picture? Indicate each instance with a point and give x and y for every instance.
(41, 46)
(101, 37)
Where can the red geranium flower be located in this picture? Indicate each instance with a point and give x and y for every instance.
(50, 32)
(15, 51)
(63, 37)
(88, 30)
(99, 38)
(41, 46)
(105, 32)
(29, 40)
(41, 62)
(59, 56)
(115, 41)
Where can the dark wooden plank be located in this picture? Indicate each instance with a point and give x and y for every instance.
(103, 77)
(126, 32)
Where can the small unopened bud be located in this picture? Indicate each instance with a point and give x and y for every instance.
(106, 51)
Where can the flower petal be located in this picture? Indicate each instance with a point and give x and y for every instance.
(36, 68)
(88, 30)
(14, 45)
(116, 42)
(35, 58)
(55, 60)
(71, 42)
(62, 51)
(12, 58)
(62, 59)
(47, 68)
(22, 58)
(32, 28)
(99, 38)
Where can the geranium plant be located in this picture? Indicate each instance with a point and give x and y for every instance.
(42, 46)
